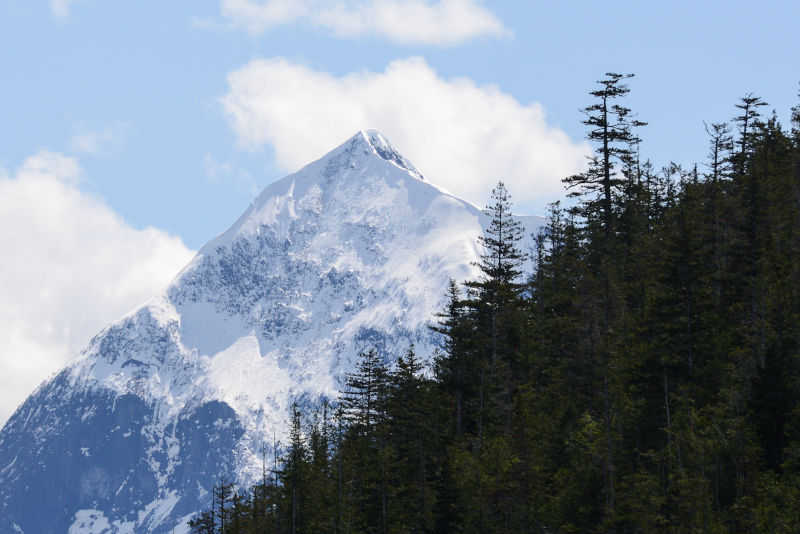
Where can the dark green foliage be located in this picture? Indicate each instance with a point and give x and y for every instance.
(645, 379)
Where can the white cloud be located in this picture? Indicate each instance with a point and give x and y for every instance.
(61, 9)
(100, 141)
(70, 266)
(461, 136)
(443, 22)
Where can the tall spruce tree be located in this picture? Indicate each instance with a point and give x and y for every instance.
(410, 419)
(749, 106)
(294, 474)
(453, 367)
(601, 189)
(611, 127)
(502, 259)
(364, 408)
(365, 393)
(499, 287)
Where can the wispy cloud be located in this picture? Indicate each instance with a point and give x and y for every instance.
(226, 174)
(442, 22)
(70, 266)
(62, 9)
(100, 141)
(462, 136)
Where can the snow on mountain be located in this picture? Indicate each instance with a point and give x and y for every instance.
(352, 252)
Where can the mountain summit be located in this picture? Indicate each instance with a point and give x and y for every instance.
(352, 252)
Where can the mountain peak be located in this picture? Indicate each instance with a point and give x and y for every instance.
(365, 155)
(352, 252)
(375, 142)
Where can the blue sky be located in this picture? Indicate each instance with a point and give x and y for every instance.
(149, 74)
(133, 132)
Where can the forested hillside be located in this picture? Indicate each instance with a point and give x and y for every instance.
(646, 378)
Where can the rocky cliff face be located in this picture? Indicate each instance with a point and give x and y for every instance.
(352, 252)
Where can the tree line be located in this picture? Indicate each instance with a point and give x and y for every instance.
(644, 378)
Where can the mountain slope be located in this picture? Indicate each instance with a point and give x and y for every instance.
(354, 251)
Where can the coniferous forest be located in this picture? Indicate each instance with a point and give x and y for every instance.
(644, 378)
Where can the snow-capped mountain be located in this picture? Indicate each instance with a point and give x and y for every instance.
(352, 252)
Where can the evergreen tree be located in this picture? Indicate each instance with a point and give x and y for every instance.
(454, 369)
(364, 408)
(746, 122)
(294, 473)
(502, 259)
(366, 391)
(494, 308)
(612, 127)
(411, 442)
